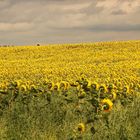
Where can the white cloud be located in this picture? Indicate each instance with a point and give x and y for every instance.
(128, 6)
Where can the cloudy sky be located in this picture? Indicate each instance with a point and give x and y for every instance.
(26, 22)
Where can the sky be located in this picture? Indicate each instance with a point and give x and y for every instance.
(28, 22)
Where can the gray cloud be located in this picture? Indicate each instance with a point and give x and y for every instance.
(105, 28)
(118, 12)
(58, 21)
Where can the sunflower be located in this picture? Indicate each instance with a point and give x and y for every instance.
(3, 86)
(81, 127)
(45, 82)
(56, 87)
(110, 87)
(23, 88)
(103, 88)
(94, 86)
(62, 85)
(131, 85)
(27, 85)
(119, 85)
(112, 96)
(17, 83)
(78, 87)
(126, 89)
(67, 85)
(106, 104)
(50, 85)
(33, 88)
(88, 84)
(81, 94)
(74, 84)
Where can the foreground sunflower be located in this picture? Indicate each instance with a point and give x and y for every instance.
(107, 105)
(81, 127)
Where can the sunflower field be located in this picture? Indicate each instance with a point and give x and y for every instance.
(70, 92)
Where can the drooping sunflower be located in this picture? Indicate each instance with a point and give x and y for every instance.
(81, 127)
(106, 105)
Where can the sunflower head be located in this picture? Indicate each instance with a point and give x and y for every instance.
(3, 86)
(28, 82)
(56, 87)
(131, 85)
(119, 84)
(88, 84)
(62, 85)
(103, 88)
(110, 87)
(33, 88)
(94, 86)
(17, 83)
(106, 105)
(67, 85)
(81, 94)
(79, 87)
(45, 82)
(126, 89)
(138, 86)
(74, 84)
(23, 88)
(27, 86)
(50, 85)
(84, 83)
(81, 127)
(113, 96)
